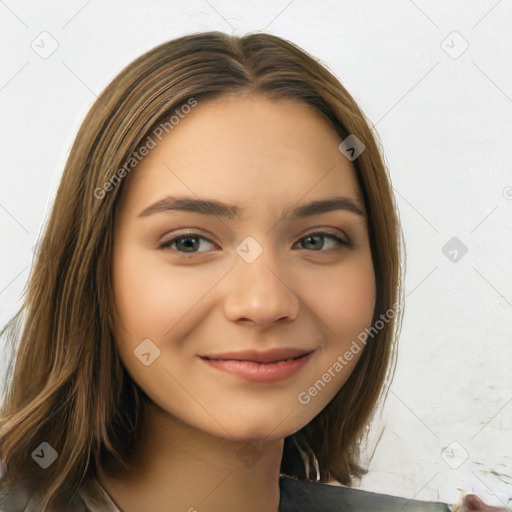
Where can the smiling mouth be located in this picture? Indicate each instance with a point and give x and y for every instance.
(260, 371)
(274, 355)
(257, 362)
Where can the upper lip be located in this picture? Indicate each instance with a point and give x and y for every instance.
(269, 356)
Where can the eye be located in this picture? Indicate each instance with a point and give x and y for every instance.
(313, 238)
(190, 242)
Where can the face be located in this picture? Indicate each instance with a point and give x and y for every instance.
(196, 287)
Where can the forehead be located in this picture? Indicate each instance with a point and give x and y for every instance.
(245, 149)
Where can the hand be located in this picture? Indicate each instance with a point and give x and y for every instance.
(472, 503)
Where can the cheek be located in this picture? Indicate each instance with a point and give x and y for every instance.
(140, 296)
(132, 284)
(143, 294)
(350, 309)
(346, 308)
(344, 311)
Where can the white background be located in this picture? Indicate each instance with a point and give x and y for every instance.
(444, 119)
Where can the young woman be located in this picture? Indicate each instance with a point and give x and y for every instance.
(211, 320)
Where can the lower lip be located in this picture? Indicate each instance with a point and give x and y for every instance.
(256, 372)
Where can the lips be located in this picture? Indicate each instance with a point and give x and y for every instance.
(260, 367)
(268, 357)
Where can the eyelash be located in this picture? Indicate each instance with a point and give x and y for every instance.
(326, 234)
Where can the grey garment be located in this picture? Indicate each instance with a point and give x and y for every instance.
(19, 500)
(296, 496)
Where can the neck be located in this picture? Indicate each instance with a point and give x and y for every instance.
(180, 467)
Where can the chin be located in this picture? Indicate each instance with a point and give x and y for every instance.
(257, 430)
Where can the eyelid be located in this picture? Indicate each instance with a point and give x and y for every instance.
(185, 234)
(328, 231)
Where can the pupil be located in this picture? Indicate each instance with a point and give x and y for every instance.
(312, 237)
(186, 245)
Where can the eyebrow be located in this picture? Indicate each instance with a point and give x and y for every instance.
(232, 212)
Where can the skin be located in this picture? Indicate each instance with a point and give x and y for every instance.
(316, 294)
(472, 502)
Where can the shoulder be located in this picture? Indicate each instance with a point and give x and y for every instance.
(13, 500)
(309, 496)
(19, 500)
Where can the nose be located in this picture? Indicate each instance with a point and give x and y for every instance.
(259, 293)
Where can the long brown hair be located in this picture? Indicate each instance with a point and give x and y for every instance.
(67, 386)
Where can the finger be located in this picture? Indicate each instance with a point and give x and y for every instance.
(473, 503)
